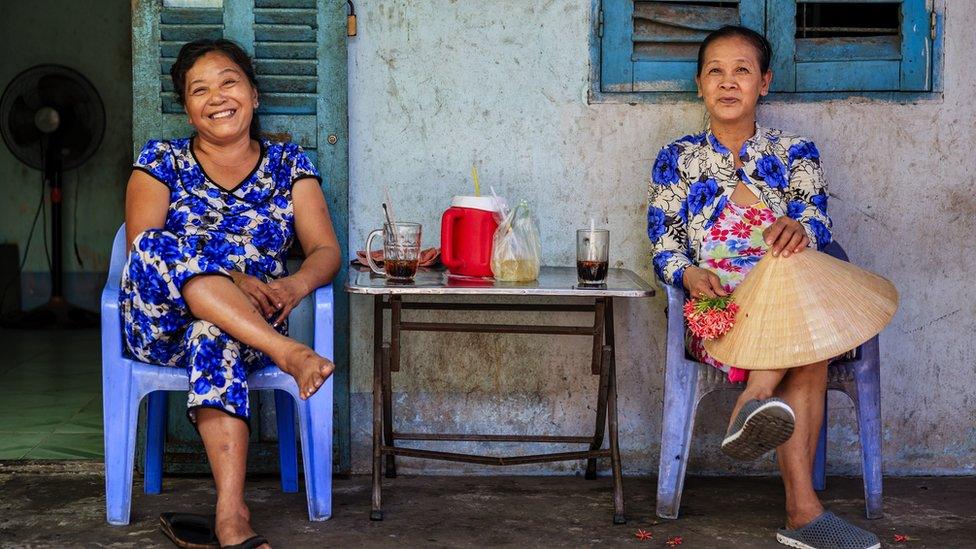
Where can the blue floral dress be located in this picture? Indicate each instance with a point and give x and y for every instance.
(208, 231)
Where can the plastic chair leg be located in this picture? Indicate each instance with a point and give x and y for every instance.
(287, 452)
(155, 441)
(315, 423)
(820, 457)
(868, 376)
(121, 412)
(680, 402)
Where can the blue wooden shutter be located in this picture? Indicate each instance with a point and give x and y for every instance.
(285, 55)
(892, 58)
(652, 45)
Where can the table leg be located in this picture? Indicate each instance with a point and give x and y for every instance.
(618, 481)
(376, 513)
(391, 364)
(600, 368)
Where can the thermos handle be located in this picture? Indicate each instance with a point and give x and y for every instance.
(448, 220)
(369, 253)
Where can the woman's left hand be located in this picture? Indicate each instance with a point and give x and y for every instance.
(290, 292)
(786, 236)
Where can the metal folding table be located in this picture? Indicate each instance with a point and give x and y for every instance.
(553, 282)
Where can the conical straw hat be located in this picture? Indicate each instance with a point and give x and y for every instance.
(803, 309)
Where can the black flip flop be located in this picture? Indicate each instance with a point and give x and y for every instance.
(252, 542)
(189, 531)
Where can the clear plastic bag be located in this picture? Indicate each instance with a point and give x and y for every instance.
(516, 252)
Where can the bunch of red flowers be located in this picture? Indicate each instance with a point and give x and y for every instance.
(710, 317)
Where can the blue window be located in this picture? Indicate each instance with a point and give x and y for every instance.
(818, 45)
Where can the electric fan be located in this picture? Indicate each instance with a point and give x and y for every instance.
(52, 119)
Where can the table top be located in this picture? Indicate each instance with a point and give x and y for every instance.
(552, 281)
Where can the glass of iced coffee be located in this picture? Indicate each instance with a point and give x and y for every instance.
(401, 251)
(592, 256)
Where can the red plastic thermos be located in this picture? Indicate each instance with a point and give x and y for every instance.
(467, 230)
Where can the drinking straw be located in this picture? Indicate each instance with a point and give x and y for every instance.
(389, 223)
(388, 209)
(474, 175)
(591, 250)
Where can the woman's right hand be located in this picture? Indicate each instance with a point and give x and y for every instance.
(260, 294)
(702, 283)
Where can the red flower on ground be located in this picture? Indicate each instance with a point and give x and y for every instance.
(676, 540)
(901, 538)
(643, 535)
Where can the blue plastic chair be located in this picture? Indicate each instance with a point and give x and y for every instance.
(688, 381)
(125, 382)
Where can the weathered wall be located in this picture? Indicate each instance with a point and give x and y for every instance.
(435, 86)
(92, 37)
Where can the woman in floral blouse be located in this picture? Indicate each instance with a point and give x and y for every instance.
(712, 214)
(209, 221)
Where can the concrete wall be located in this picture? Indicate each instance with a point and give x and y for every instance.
(92, 37)
(438, 85)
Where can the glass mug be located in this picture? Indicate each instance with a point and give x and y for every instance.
(592, 251)
(401, 251)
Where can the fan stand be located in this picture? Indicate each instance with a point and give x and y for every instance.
(57, 312)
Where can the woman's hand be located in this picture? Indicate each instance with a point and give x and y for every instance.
(261, 295)
(289, 292)
(703, 283)
(786, 236)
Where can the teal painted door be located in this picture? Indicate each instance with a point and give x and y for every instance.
(299, 50)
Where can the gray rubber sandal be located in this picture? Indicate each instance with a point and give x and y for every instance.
(760, 426)
(828, 531)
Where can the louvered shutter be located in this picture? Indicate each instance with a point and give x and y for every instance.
(284, 55)
(652, 45)
(892, 53)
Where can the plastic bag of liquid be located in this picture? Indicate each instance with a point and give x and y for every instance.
(516, 252)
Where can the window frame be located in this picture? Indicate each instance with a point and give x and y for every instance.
(599, 40)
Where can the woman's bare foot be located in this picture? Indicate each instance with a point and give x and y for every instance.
(309, 369)
(233, 524)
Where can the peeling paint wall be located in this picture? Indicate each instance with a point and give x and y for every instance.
(438, 85)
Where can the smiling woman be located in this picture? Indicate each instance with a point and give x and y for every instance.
(207, 64)
(210, 220)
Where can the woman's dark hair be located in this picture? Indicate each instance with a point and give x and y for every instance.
(192, 51)
(758, 41)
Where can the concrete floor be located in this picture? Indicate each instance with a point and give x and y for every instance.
(60, 504)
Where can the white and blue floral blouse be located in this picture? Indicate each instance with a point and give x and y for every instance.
(208, 230)
(694, 177)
